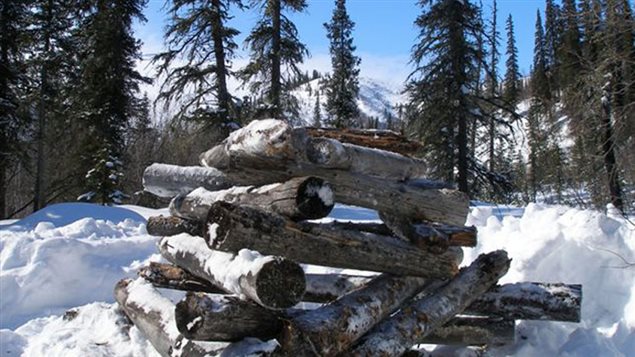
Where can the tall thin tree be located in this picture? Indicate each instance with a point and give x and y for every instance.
(511, 90)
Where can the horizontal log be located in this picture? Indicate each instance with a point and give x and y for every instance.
(224, 318)
(298, 198)
(472, 331)
(333, 328)
(256, 159)
(393, 336)
(231, 228)
(379, 139)
(166, 180)
(247, 273)
(162, 226)
(153, 315)
(173, 277)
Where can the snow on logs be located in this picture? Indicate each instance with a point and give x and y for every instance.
(231, 228)
(273, 282)
(298, 198)
(168, 181)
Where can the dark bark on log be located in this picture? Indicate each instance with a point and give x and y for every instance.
(173, 277)
(272, 282)
(379, 139)
(395, 335)
(325, 288)
(434, 237)
(169, 226)
(276, 153)
(169, 180)
(238, 227)
(333, 328)
(531, 301)
(299, 198)
(224, 318)
(153, 315)
(475, 331)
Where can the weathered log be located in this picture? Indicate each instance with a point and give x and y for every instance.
(231, 228)
(332, 154)
(435, 237)
(273, 282)
(166, 180)
(173, 277)
(328, 287)
(153, 315)
(531, 301)
(393, 336)
(224, 318)
(162, 226)
(475, 331)
(333, 328)
(379, 139)
(299, 198)
(271, 151)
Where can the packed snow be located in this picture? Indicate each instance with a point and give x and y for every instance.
(59, 266)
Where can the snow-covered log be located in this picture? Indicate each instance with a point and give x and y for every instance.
(172, 277)
(204, 317)
(166, 180)
(299, 198)
(153, 315)
(393, 336)
(333, 328)
(162, 226)
(271, 151)
(231, 228)
(379, 139)
(246, 273)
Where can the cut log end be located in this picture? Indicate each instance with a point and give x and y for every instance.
(315, 198)
(281, 284)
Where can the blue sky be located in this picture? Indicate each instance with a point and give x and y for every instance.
(384, 32)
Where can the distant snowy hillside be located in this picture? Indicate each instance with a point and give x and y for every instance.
(375, 98)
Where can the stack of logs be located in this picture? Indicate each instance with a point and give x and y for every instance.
(241, 223)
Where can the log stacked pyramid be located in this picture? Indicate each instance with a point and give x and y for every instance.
(240, 227)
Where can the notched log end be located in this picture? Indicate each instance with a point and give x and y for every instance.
(315, 198)
(281, 284)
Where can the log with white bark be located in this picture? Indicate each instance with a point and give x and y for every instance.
(271, 151)
(333, 328)
(231, 228)
(474, 331)
(393, 336)
(162, 226)
(298, 198)
(166, 180)
(204, 317)
(153, 315)
(273, 282)
(173, 277)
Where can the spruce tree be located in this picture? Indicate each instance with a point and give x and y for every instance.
(106, 100)
(552, 41)
(196, 64)
(570, 48)
(317, 115)
(442, 87)
(343, 87)
(492, 84)
(273, 45)
(511, 91)
(539, 82)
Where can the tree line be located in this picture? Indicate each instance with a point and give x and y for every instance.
(74, 124)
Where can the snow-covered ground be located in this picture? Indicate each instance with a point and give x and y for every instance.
(59, 266)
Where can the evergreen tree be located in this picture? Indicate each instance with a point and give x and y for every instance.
(569, 52)
(109, 82)
(197, 32)
(441, 88)
(552, 41)
(539, 82)
(511, 91)
(274, 45)
(343, 87)
(317, 115)
(12, 27)
(492, 84)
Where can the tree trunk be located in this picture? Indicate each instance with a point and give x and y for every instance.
(608, 153)
(170, 226)
(248, 273)
(276, 81)
(333, 328)
(393, 336)
(231, 228)
(3, 187)
(325, 288)
(169, 180)
(203, 317)
(378, 139)
(474, 331)
(173, 277)
(153, 315)
(222, 94)
(299, 199)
